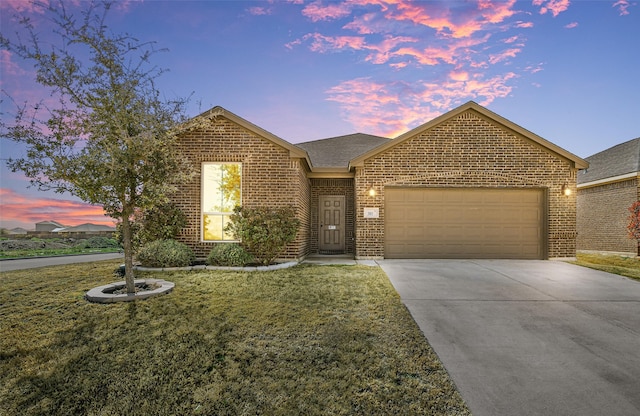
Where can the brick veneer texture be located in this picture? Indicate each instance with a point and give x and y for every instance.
(468, 150)
(603, 216)
(270, 177)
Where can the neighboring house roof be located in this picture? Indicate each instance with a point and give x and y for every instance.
(218, 111)
(338, 151)
(17, 230)
(579, 163)
(613, 162)
(57, 224)
(85, 228)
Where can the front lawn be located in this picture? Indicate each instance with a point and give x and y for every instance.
(311, 340)
(611, 263)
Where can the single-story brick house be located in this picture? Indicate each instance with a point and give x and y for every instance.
(467, 184)
(605, 192)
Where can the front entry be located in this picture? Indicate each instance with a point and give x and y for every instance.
(331, 223)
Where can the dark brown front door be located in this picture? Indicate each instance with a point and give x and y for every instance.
(331, 223)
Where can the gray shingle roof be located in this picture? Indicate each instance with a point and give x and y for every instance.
(338, 151)
(615, 161)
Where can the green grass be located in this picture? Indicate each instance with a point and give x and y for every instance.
(310, 340)
(622, 265)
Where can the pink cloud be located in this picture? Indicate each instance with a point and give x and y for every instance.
(384, 50)
(22, 6)
(472, 19)
(623, 6)
(512, 39)
(459, 75)
(532, 69)
(8, 66)
(555, 7)
(259, 11)
(324, 44)
(316, 11)
(571, 25)
(524, 25)
(504, 55)
(20, 209)
(389, 108)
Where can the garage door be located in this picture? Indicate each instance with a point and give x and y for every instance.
(464, 223)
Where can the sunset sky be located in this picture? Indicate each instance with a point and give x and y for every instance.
(568, 71)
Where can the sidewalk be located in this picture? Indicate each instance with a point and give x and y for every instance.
(337, 259)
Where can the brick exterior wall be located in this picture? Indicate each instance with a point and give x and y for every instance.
(468, 150)
(269, 177)
(333, 187)
(603, 216)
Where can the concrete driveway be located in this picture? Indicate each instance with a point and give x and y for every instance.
(528, 337)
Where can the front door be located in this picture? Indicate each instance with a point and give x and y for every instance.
(331, 223)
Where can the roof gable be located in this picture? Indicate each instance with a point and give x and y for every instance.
(472, 106)
(621, 159)
(218, 111)
(338, 151)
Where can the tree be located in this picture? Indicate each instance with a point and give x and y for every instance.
(110, 140)
(634, 223)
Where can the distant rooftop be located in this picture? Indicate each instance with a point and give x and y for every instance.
(86, 228)
(615, 161)
(338, 151)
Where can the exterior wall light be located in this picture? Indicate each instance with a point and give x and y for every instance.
(372, 192)
(566, 191)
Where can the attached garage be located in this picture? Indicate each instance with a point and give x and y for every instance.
(506, 223)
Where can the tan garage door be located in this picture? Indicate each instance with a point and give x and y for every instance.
(464, 223)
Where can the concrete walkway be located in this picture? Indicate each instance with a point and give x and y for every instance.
(346, 260)
(529, 337)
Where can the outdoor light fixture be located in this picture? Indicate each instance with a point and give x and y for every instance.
(566, 191)
(372, 192)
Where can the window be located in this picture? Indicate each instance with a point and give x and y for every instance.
(221, 186)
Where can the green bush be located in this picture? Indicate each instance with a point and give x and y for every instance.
(165, 253)
(161, 222)
(264, 231)
(230, 254)
(97, 242)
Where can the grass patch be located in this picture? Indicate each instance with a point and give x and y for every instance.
(310, 340)
(38, 247)
(617, 264)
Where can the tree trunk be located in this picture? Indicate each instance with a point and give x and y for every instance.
(128, 254)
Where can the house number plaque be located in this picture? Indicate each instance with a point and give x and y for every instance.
(372, 212)
(331, 227)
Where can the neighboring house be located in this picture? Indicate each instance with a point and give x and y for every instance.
(468, 184)
(48, 226)
(17, 231)
(85, 228)
(606, 190)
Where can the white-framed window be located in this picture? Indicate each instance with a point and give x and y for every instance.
(221, 193)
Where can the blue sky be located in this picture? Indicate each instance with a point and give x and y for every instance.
(306, 70)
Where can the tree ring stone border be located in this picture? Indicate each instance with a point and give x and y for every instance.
(104, 294)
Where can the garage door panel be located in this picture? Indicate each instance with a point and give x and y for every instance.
(464, 223)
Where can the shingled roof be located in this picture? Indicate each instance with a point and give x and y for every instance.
(338, 151)
(615, 161)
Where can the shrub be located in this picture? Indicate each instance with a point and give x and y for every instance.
(264, 231)
(161, 222)
(97, 242)
(165, 253)
(231, 254)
